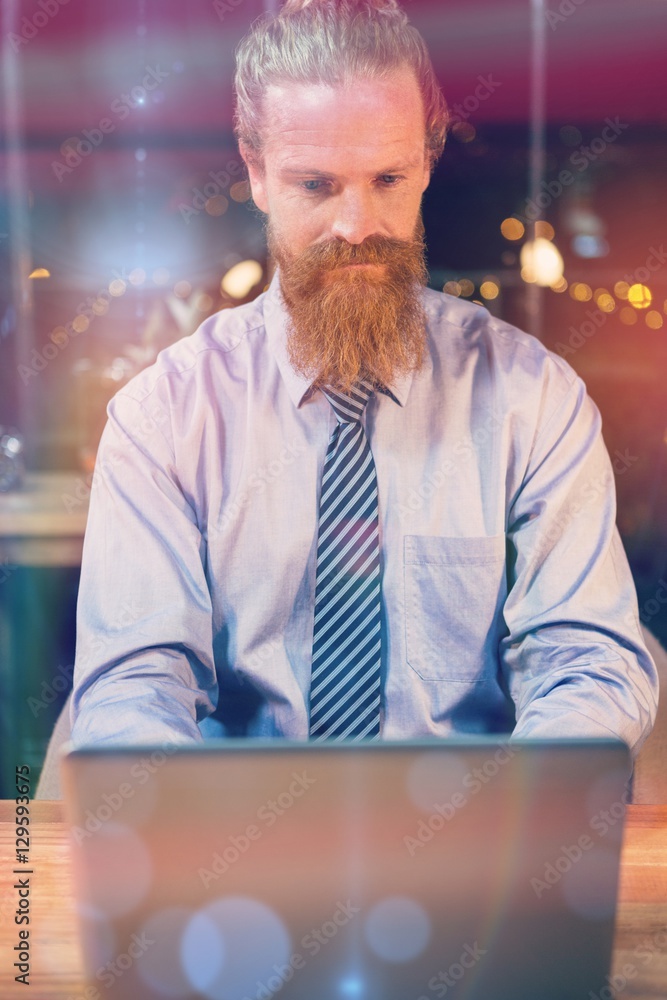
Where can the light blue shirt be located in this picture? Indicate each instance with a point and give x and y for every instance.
(508, 603)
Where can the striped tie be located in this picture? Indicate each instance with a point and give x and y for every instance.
(345, 680)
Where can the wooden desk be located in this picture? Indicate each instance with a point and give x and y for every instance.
(56, 965)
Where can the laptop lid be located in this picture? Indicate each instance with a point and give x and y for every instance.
(241, 870)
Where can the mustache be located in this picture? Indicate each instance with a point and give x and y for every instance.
(375, 249)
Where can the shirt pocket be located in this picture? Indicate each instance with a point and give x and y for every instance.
(455, 589)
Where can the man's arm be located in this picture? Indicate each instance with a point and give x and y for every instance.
(574, 660)
(144, 668)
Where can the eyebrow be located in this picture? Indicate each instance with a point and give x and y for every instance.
(300, 171)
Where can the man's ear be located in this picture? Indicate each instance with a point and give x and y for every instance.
(257, 178)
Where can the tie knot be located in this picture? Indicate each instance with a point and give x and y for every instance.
(349, 406)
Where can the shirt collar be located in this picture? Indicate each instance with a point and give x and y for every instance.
(299, 387)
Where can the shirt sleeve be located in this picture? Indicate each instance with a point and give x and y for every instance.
(574, 660)
(144, 667)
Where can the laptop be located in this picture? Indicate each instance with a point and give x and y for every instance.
(472, 869)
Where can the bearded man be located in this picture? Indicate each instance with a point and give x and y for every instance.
(355, 508)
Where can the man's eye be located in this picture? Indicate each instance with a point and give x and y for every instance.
(312, 185)
(390, 179)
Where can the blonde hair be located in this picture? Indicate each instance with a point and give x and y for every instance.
(331, 42)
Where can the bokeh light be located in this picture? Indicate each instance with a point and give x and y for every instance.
(541, 262)
(581, 292)
(241, 279)
(639, 296)
(628, 316)
(512, 229)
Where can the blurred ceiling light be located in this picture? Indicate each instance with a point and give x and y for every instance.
(489, 290)
(100, 307)
(639, 296)
(541, 262)
(217, 205)
(512, 229)
(606, 302)
(59, 335)
(240, 191)
(560, 286)
(581, 292)
(182, 289)
(580, 219)
(117, 287)
(203, 302)
(80, 323)
(464, 131)
(628, 316)
(621, 289)
(544, 229)
(589, 246)
(40, 272)
(654, 319)
(241, 278)
(452, 288)
(137, 276)
(466, 286)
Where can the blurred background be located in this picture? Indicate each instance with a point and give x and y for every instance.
(125, 221)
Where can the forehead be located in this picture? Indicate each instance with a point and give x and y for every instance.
(366, 118)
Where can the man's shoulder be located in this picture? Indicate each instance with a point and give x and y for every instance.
(220, 335)
(468, 332)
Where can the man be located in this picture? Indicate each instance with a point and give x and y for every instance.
(355, 507)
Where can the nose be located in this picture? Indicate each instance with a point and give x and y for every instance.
(355, 217)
